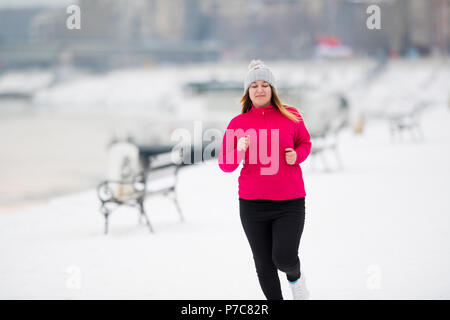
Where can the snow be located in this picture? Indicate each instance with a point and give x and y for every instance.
(378, 229)
(27, 83)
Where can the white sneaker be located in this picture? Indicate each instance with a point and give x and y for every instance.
(299, 289)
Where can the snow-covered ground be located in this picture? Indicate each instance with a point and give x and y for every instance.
(378, 229)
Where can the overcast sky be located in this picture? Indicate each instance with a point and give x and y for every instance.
(35, 3)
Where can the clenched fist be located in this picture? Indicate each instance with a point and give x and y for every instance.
(290, 155)
(243, 143)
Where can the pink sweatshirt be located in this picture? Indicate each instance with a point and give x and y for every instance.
(265, 173)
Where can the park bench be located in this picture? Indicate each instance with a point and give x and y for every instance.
(325, 122)
(403, 121)
(130, 181)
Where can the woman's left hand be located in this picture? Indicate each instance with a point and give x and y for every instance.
(290, 155)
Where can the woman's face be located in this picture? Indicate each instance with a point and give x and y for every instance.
(260, 93)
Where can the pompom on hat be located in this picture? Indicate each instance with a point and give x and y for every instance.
(257, 70)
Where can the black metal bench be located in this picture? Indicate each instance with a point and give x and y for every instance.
(157, 163)
(111, 199)
(132, 189)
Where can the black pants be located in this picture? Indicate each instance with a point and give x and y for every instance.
(273, 229)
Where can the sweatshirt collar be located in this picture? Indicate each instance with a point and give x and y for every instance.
(260, 110)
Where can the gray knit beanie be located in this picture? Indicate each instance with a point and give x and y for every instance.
(257, 70)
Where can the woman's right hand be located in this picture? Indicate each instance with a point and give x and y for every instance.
(243, 143)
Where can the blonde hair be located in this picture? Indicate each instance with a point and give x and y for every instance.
(246, 103)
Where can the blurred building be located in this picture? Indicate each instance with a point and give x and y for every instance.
(117, 33)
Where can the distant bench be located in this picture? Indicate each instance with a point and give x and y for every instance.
(326, 125)
(407, 121)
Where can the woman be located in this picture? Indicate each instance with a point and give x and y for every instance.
(272, 140)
